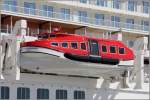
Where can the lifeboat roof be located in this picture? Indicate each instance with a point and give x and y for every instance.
(77, 36)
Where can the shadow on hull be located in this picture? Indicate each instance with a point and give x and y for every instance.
(92, 59)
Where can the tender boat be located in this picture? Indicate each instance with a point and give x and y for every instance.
(79, 48)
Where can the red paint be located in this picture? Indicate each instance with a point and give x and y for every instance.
(69, 38)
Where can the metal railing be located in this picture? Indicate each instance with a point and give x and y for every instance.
(106, 5)
(73, 18)
(29, 31)
(5, 29)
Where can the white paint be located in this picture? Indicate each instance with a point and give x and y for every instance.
(51, 64)
(139, 48)
(29, 38)
(105, 91)
(139, 69)
(126, 63)
(42, 50)
(12, 52)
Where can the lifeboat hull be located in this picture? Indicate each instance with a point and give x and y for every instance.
(43, 60)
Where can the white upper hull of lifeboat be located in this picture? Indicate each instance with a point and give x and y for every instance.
(50, 61)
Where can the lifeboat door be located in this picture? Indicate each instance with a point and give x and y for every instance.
(93, 47)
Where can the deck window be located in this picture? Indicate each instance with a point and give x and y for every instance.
(83, 16)
(10, 5)
(99, 19)
(121, 51)
(29, 8)
(42, 94)
(79, 95)
(4, 92)
(65, 13)
(65, 45)
(145, 25)
(83, 46)
(116, 4)
(146, 7)
(74, 45)
(61, 94)
(104, 48)
(23, 93)
(54, 44)
(132, 6)
(46, 11)
(112, 49)
(115, 21)
(83, 1)
(102, 3)
(130, 23)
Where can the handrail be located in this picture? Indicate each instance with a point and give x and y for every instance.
(30, 31)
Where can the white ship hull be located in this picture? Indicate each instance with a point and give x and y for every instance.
(43, 60)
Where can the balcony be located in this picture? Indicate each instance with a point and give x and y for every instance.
(92, 5)
(73, 19)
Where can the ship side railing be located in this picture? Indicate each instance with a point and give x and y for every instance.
(5, 29)
(75, 18)
(29, 31)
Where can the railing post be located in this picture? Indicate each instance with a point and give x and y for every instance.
(1, 60)
(0, 21)
(28, 31)
(85, 31)
(139, 68)
(50, 27)
(38, 30)
(7, 29)
(46, 13)
(11, 24)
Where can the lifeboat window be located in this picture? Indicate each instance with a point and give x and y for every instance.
(74, 45)
(79, 95)
(121, 51)
(61, 94)
(83, 46)
(65, 45)
(42, 93)
(104, 49)
(54, 44)
(112, 49)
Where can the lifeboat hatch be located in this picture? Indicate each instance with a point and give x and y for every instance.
(93, 47)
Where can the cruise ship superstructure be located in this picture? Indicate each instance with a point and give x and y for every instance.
(126, 21)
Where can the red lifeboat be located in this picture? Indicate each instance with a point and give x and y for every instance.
(80, 48)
